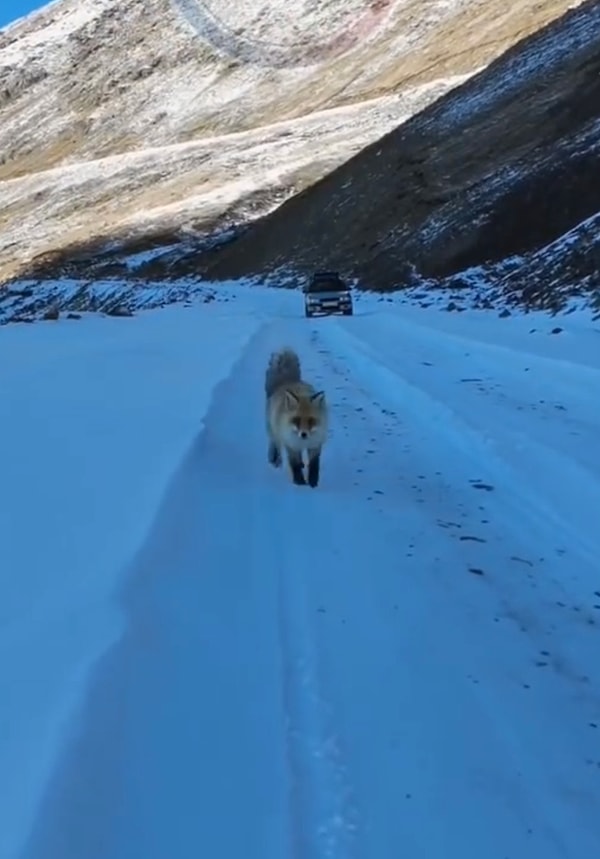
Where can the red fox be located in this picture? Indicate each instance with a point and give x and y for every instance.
(297, 417)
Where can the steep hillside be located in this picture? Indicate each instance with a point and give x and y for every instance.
(503, 166)
(123, 118)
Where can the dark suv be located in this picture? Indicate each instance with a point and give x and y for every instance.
(327, 293)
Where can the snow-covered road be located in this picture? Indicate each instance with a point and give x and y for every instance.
(402, 662)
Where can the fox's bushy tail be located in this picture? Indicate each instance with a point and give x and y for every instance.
(283, 369)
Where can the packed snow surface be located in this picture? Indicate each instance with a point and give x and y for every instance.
(198, 658)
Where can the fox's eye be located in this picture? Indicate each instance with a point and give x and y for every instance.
(296, 422)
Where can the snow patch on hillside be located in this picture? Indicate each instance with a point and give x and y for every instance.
(546, 50)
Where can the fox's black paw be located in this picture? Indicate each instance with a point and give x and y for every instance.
(313, 472)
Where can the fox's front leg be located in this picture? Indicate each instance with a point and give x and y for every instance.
(274, 454)
(296, 466)
(273, 451)
(314, 466)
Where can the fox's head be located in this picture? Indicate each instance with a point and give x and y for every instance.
(305, 415)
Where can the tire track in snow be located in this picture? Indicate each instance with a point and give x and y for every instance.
(496, 757)
(321, 818)
(383, 395)
(323, 821)
(376, 364)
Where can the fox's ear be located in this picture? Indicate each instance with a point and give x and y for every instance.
(291, 399)
(318, 398)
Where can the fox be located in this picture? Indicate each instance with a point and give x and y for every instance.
(296, 416)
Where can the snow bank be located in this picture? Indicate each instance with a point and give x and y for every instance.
(95, 417)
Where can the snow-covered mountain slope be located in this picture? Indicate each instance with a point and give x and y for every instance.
(124, 117)
(504, 166)
(199, 659)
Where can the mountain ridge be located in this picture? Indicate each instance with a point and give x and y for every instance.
(96, 97)
(502, 166)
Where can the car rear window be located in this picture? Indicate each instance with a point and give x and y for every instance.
(326, 285)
